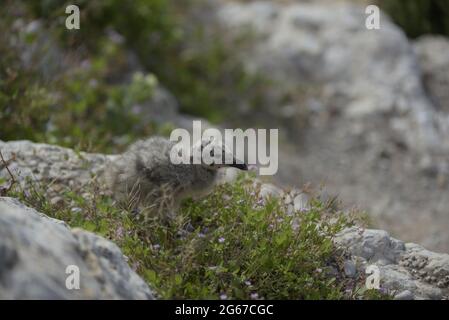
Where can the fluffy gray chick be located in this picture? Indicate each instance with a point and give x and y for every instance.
(145, 177)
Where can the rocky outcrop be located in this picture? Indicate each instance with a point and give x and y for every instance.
(407, 270)
(362, 72)
(372, 134)
(37, 252)
(41, 161)
(431, 52)
(35, 249)
(55, 166)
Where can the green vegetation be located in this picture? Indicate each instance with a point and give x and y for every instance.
(76, 87)
(418, 17)
(77, 104)
(80, 89)
(228, 244)
(195, 64)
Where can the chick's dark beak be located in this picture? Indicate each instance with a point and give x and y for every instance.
(239, 165)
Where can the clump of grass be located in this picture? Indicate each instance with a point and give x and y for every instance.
(418, 17)
(243, 248)
(232, 244)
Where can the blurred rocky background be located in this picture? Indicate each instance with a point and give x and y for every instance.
(363, 113)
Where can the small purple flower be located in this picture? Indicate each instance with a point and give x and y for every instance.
(27, 194)
(156, 246)
(119, 232)
(221, 240)
(135, 266)
(248, 283)
(254, 296)
(136, 109)
(252, 167)
(93, 83)
(223, 296)
(383, 290)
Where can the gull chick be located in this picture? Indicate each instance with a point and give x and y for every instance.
(144, 176)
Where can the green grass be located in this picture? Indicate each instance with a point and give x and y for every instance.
(83, 97)
(228, 244)
(81, 105)
(418, 17)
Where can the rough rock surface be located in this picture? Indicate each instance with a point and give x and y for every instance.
(406, 269)
(363, 72)
(373, 136)
(35, 251)
(49, 163)
(431, 52)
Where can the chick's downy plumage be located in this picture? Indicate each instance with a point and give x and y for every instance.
(145, 177)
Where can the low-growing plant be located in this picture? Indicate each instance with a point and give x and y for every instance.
(232, 244)
(81, 105)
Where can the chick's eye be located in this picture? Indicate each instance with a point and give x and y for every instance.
(212, 154)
